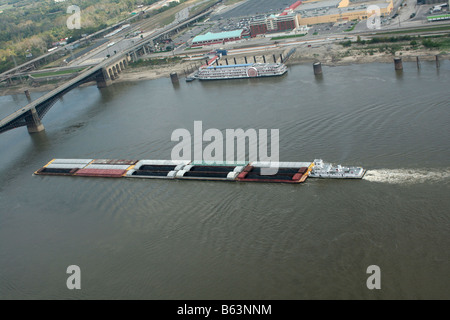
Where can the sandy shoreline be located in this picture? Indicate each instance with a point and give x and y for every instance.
(328, 55)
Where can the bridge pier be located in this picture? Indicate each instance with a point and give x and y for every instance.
(103, 80)
(27, 94)
(151, 45)
(33, 121)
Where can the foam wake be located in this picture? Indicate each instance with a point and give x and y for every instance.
(408, 176)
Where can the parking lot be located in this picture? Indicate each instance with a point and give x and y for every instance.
(231, 24)
(255, 7)
(330, 28)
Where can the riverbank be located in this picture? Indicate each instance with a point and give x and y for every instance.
(332, 54)
(337, 54)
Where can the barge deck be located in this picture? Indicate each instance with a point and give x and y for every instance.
(287, 172)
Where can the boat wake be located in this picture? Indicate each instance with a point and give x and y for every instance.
(408, 176)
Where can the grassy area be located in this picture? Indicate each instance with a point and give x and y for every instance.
(190, 48)
(168, 20)
(200, 7)
(165, 17)
(155, 62)
(56, 73)
(430, 42)
(6, 7)
(287, 37)
(229, 2)
(59, 62)
(351, 28)
(418, 30)
(401, 43)
(345, 44)
(437, 43)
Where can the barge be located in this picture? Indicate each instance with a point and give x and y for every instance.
(288, 172)
(285, 172)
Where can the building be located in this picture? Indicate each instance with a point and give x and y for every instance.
(291, 8)
(216, 38)
(273, 24)
(438, 17)
(331, 11)
(432, 1)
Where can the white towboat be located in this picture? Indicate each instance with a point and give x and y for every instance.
(327, 170)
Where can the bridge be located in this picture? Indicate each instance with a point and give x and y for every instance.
(31, 114)
(103, 74)
(35, 63)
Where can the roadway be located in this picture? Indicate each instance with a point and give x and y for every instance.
(119, 43)
(29, 65)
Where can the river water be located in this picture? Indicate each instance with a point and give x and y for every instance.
(157, 239)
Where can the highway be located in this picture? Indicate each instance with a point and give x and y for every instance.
(118, 43)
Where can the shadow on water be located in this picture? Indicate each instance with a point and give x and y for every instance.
(399, 74)
(116, 89)
(22, 150)
(245, 82)
(40, 143)
(319, 78)
(16, 98)
(176, 86)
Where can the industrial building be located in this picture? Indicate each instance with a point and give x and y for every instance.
(216, 38)
(331, 11)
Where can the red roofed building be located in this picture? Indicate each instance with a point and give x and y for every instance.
(295, 5)
(291, 8)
